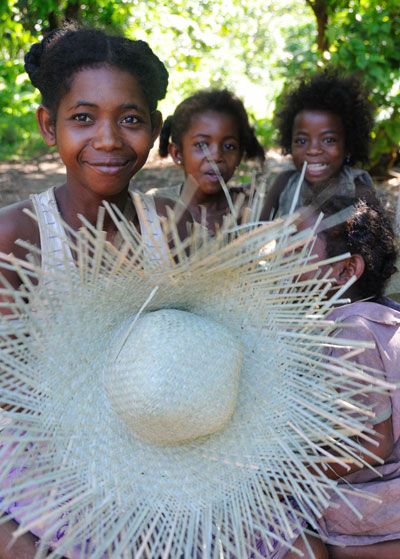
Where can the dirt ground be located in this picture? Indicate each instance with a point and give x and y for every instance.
(19, 179)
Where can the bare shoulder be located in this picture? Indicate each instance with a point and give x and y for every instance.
(16, 224)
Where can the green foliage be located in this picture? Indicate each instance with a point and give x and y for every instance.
(18, 131)
(366, 38)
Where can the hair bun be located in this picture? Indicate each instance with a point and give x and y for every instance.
(32, 63)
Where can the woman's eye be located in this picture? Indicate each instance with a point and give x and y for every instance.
(130, 119)
(82, 117)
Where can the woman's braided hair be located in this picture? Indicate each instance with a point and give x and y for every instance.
(52, 63)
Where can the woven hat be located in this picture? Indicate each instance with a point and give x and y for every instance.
(173, 411)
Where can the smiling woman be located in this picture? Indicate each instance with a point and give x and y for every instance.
(99, 108)
(103, 134)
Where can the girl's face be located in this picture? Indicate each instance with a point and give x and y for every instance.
(220, 133)
(103, 130)
(318, 137)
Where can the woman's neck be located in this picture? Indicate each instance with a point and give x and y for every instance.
(73, 204)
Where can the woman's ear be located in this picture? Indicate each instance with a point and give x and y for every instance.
(175, 153)
(345, 269)
(46, 125)
(156, 123)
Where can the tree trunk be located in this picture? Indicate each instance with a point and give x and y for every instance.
(52, 18)
(320, 9)
(72, 10)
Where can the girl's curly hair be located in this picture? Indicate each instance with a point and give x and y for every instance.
(331, 92)
(367, 232)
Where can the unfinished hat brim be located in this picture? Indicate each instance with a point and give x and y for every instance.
(85, 472)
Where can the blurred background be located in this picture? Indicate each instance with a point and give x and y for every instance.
(254, 48)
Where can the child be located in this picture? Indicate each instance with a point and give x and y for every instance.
(215, 120)
(325, 121)
(368, 236)
(99, 107)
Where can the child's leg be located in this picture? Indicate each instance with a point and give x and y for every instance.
(382, 550)
(319, 549)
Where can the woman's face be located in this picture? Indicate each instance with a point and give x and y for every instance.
(103, 130)
(318, 137)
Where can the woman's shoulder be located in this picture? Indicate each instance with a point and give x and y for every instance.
(16, 224)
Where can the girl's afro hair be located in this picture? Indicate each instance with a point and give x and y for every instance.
(329, 91)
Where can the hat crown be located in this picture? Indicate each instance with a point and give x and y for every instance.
(187, 388)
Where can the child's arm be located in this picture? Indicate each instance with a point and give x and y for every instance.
(381, 403)
(384, 436)
(184, 219)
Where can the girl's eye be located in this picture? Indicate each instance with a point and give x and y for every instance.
(230, 147)
(200, 145)
(299, 141)
(82, 117)
(330, 140)
(131, 119)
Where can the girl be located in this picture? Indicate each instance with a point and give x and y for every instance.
(368, 236)
(212, 122)
(99, 107)
(326, 122)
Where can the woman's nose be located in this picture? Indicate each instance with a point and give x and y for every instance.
(107, 136)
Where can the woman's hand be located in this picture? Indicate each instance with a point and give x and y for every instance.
(23, 548)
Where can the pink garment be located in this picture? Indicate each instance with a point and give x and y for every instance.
(381, 520)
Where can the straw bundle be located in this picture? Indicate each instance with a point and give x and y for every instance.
(93, 356)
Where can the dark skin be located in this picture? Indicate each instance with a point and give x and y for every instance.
(24, 547)
(104, 131)
(202, 193)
